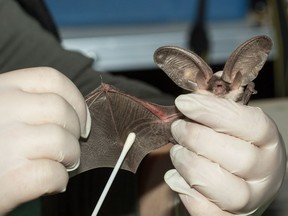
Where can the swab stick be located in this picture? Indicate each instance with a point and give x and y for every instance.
(128, 143)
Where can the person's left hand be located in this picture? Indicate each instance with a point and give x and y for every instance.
(42, 114)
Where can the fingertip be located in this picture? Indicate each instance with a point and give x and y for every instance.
(197, 106)
(174, 150)
(74, 166)
(177, 129)
(87, 128)
(183, 101)
(50, 177)
(169, 174)
(33, 179)
(176, 182)
(176, 123)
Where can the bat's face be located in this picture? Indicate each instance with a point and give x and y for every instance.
(218, 87)
(192, 73)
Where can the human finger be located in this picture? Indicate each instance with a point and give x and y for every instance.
(37, 109)
(210, 179)
(233, 154)
(52, 142)
(48, 80)
(195, 203)
(226, 116)
(31, 179)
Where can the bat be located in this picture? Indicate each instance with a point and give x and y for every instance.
(115, 114)
(191, 72)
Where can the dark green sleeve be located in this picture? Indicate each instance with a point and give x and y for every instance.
(24, 43)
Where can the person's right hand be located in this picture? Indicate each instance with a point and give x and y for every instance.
(231, 158)
(43, 115)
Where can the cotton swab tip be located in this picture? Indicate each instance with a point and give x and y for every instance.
(129, 141)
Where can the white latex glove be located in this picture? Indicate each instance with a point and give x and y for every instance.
(42, 117)
(231, 160)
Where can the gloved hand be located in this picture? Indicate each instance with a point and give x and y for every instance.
(42, 117)
(231, 159)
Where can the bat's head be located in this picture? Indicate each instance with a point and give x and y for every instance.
(218, 87)
(192, 73)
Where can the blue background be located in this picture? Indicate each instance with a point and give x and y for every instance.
(111, 12)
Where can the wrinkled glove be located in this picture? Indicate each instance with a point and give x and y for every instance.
(42, 117)
(231, 159)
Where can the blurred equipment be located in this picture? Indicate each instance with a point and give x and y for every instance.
(198, 40)
(280, 19)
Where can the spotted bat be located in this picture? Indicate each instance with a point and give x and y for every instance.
(115, 113)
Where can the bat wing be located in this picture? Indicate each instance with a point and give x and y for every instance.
(247, 60)
(114, 115)
(185, 68)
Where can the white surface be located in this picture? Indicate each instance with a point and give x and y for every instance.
(277, 109)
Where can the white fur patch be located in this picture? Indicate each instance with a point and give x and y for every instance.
(232, 95)
(204, 92)
(235, 94)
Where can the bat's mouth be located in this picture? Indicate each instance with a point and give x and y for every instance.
(220, 90)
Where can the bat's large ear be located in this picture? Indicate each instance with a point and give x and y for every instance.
(184, 67)
(247, 60)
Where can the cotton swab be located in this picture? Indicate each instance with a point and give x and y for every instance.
(128, 143)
